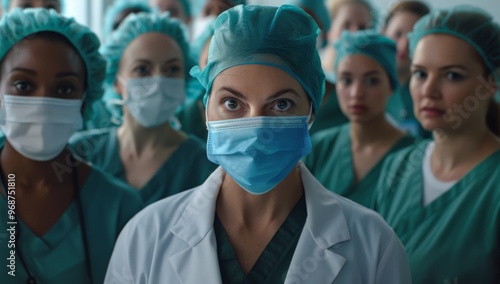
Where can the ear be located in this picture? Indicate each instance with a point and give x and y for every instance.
(119, 88)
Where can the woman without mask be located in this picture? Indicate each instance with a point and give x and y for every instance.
(348, 159)
(67, 214)
(441, 196)
(261, 217)
(399, 22)
(146, 74)
(345, 15)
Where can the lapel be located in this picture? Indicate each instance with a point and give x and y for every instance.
(325, 227)
(199, 263)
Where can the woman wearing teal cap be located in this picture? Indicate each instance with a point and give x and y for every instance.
(179, 9)
(57, 5)
(261, 217)
(119, 11)
(398, 23)
(62, 216)
(441, 196)
(146, 71)
(348, 159)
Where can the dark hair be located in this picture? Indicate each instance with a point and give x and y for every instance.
(415, 7)
(493, 117)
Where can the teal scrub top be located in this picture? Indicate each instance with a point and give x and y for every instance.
(58, 256)
(331, 163)
(272, 265)
(400, 108)
(191, 119)
(329, 115)
(101, 117)
(186, 168)
(455, 238)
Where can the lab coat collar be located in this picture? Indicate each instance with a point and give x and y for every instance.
(325, 227)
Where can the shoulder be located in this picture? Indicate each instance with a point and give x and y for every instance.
(329, 135)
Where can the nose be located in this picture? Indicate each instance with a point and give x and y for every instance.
(257, 111)
(430, 88)
(356, 91)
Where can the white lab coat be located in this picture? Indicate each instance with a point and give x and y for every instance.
(173, 241)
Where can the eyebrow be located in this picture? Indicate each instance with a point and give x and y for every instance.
(369, 73)
(24, 70)
(148, 61)
(276, 95)
(444, 67)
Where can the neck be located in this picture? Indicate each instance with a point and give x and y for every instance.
(258, 210)
(450, 149)
(373, 132)
(30, 173)
(136, 138)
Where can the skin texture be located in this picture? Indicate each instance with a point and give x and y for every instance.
(144, 150)
(248, 91)
(397, 29)
(445, 72)
(363, 88)
(174, 7)
(351, 17)
(42, 67)
(48, 4)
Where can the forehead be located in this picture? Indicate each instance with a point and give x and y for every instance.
(44, 54)
(358, 63)
(403, 19)
(354, 12)
(444, 49)
(153, 44)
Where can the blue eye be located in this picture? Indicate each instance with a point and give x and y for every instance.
(283, 105)
(142, 71)
(453, 76)
(231, 104)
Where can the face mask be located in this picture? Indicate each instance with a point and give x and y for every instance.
(259, 152)
(39, 128)
(152, 101)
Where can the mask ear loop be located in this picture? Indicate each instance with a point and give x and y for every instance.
(206, 112)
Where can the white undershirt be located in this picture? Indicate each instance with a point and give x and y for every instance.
(433, 188)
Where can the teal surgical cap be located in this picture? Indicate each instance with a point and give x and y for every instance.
(116, 9)
(6, 5)
(469, 23)
(19, 24)
(371, 44)
(317, 7)
(282, 37)
(132, 27)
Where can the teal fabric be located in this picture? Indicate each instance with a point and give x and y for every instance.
(117, 8)
(456, 238)
(329, 115)
(192, 120)
(58, 256)
(331, 163)
(272, 265)
(318, 7)
(186, 168)
(18, 24)
(372, 44)
(400, 108)
(282, 37)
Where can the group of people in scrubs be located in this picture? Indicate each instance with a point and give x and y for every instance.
(222, 142)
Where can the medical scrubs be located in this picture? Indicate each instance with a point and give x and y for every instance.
(454, 239)
(101, 117)
(400, 109)
(329, 115)
(272, 265)
(192, 121)
(186, 168)
(331, 163)
(59, 256)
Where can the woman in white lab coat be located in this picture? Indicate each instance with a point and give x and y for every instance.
(261, 217)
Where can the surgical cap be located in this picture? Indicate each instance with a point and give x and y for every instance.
(6, 5)
(187, 7)
(19, 24)
(317, 7)
(371, 44)
(132, 27)
(282, 37)
(116, 9)
(469, 23)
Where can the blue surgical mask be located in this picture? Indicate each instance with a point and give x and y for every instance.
(152, 101)
(259, 152)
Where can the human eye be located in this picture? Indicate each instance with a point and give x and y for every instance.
(142, 71)
(454, 76)
(23, 86)
(231, 104)
(372, 81)
(66, 90)
(419, 74)
(283, 105)
(172, 70)
(346, 81)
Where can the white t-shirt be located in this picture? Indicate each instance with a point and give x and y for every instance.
(433, 188)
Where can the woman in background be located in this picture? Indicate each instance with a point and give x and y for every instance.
(147, 62)
(348, 159)
(398, 23)
(68, 214)
(57, 5)
(441, 196)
